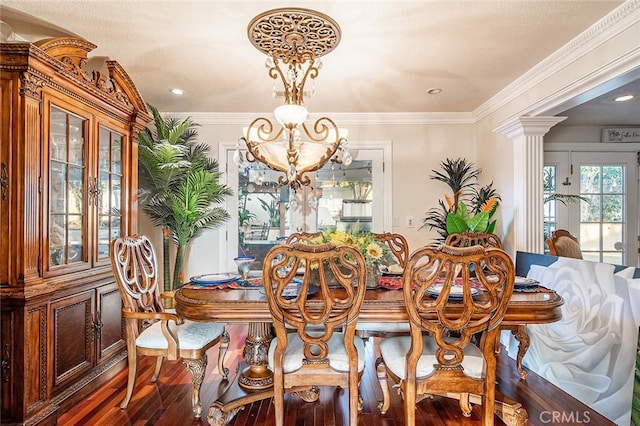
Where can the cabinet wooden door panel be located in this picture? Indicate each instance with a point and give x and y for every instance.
(72, 336)
(5, 97)
(35, 361)
(109, 321)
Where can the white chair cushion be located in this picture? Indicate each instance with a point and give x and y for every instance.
(394, 352)
(384, 327)
(191, 335)
(338, 359)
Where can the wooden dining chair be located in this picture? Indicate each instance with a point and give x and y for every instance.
(150, 329)
(442, 297)
(323, 349)
(562, 243)
(399, 247)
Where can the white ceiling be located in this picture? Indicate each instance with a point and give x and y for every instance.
(390, 54)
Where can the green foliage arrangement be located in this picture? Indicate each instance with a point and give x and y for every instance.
(470, 207)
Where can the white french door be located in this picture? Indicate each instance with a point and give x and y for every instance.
(606, 225)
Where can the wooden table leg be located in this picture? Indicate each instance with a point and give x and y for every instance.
(255, 381)
(520, 333)
(512, 413)
(256, 351)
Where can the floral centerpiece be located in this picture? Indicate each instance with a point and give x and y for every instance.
(374, 252)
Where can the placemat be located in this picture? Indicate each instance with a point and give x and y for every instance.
(248, 284)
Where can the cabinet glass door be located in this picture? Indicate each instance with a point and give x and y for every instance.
(67, 188)
(108, 190)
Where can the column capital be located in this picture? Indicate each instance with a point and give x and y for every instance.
(527, 126)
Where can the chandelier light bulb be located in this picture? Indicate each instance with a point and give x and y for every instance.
(291, 114)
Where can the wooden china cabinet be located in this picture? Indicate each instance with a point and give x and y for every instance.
(68, 185)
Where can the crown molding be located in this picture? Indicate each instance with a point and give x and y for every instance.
(342, 119)
(614, 23)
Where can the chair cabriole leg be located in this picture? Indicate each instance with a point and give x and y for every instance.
(156, 372)
(197, 368)
(131, 379)
(381, 371)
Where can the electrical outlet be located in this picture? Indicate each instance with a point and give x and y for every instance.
(410, 222)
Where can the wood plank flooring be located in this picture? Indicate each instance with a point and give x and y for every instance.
(168, 402)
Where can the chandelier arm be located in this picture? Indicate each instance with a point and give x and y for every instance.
(264, 127)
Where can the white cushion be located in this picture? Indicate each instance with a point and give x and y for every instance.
(384, 327)
(191, 335)
(394, 352)
(338, 360)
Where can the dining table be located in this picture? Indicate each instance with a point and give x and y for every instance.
(236, 303)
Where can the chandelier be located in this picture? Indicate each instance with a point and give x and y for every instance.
(294, 40)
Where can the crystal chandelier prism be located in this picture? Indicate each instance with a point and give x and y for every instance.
(293, 39)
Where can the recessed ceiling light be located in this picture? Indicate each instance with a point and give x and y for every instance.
(177, 91)
(623, 98)
(434, 91)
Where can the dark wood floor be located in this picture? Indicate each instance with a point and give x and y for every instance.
(167, 402)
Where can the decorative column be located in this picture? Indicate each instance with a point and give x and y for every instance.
(528, 218)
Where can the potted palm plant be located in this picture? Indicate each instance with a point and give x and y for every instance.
(179, 187)
(470, 208)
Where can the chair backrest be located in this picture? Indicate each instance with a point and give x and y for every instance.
(433, 274)
(315, 316)
(562, 243)
(301, 236)
(468, 239)
(136, 270)
(397, 244)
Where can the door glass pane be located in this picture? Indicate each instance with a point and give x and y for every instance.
(590, 237)
(76, 140)
(590, 179)
(549, 176)
(108, 190)
(602, 219)
(612, 208)
(67, 188)
(345, 196)
(262, 211)
(76, 190)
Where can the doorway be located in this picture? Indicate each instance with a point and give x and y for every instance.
(338, 197)
(605, 219)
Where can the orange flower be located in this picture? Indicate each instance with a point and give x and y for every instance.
(488, 205)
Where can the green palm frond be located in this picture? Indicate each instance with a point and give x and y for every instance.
(436, 218)
(566, 199)
(458, 174)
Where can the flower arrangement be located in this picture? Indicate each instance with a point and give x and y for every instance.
(365, 242)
